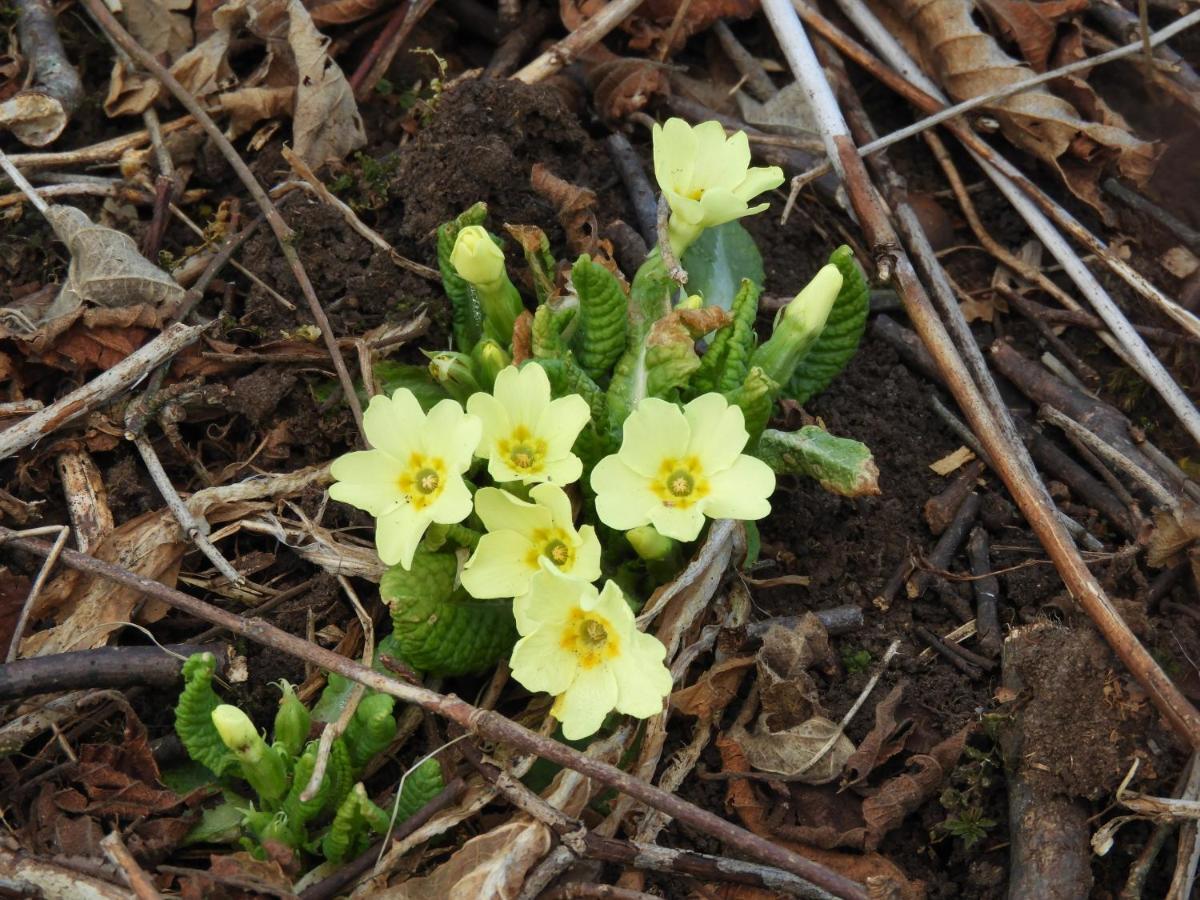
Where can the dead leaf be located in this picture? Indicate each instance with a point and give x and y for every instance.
(653, 20)
(790, 752)
(714, 690)
(682, 325)
(969, 63)
(576, 210)
(978, 309)
(952, 461)
(779, 581)
(887, 879)
(904, 793)
(1180, 262)
(106, 267)
(886, 739)
(159, 25)
(1031, 25)
(342, 12)
(787, 692)
(622, 86)
(325, 123)
(34, 117)
(522, 346)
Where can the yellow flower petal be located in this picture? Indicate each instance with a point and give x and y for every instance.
(758, 180)
(742, 491)
(397, 534)
(674, 522)
(548, 602)
(475, 256)
(451, 435)
(524, 393)
(366, 479)
(623, 497)
(718, 431)
(499, 567)
(540, 664)
(561, 422)
(582, 707)
(643, 682)
(654, 430)
(674, 153)
(387, 422)
(587, 555)
(501, 511)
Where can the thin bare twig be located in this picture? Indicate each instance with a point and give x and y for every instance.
(488, 724)
(36, 588)
(118, 854)
(578, 41)
(283, 232)
(100, 389)
(758, 82)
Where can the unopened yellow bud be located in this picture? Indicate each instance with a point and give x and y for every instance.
(476, 257)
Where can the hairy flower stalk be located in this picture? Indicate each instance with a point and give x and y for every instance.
(799, 325)
(480, 263)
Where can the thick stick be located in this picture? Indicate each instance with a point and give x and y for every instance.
(283, 232)
(100, 389)
(587, 35)
(482, 722)
(1030, 495)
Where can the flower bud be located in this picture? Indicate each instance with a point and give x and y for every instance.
(454, 372)
(476, 258)
(695, 301)
(291, 722)
(798, 327)
(261, 766)
(489, 358)
(648, 543)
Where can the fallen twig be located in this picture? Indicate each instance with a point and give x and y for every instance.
(39, 113)
(1009, 456)
(63, 532)
(488, 724)
(641, 192)
(100, 389)
(283, 232)
(946, 547)
(384, 48)
(578, 41)
(87, 503)
(987, 593)
(38, 877)
(118, 854)
(757, 82)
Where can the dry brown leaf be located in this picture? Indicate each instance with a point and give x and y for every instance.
(888, 880)
(106, 267)
(1180, 262)
(342, 12)
(714, 690)
(576, 210)
(883, 741)
(952, 461)
(969, 63)
(903, 794)
(325, 123)
(790, 752)
(788, 694)
(522, 345)
(34, 118)
(1176, 538)
(621, 87)
(1031, 25)
(159, 25)
(686, 325)
(653, 20)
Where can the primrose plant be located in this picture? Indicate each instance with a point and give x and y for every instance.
(542, 478)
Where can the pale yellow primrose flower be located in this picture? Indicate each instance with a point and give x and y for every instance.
(706, 178)
(527, 437)
(523, 538)
(413, 477)
(582, 646)
(677, 466)
(476, 257)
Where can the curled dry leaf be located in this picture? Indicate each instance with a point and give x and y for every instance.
(576, 210)
(1176, 538)
(791, 752)
(342, 12)
(886, 739)
(901, 795)
(621, 87)
(1031, 26)
(969, 63)
(654, 19)
(714, 690)
(787, 692)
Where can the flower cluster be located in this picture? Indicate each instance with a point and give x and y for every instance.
(674, 467)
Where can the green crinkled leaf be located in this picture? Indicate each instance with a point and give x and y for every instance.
(467, 314)
(723, 366)
(440, 629)
(193, 715)
(671, 358)
(603, 317)
(348, 828)
(843, 331)
(566, 377)
(841, 465)
(393, 375)
(550, 324)
(718, 262)
(422, 785)
(300, 811)
(371, 729)
(755, 396)
(339, 775)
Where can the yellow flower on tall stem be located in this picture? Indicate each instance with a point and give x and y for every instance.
(583, 646)
(676, 466)
(527, 437)
(413, 477)
(707, 178)
(523, 538)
